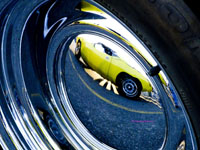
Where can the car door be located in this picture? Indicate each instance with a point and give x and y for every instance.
(100, 58)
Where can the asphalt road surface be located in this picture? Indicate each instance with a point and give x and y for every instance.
(113, 119)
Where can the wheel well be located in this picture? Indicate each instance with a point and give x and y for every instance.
(121, 75)
(79, 41)
(124, 74)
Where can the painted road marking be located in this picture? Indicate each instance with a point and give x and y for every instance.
(108, 101)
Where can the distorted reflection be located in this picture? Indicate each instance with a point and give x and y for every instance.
(113, 64)
(113, 94)
(114, 25)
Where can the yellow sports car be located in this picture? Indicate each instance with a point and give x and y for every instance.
(109, 65)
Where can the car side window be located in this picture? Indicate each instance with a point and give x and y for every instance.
(114, 54)
(108, 51)
(104, 49)
(99, 47)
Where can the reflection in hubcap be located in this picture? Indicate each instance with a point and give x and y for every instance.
(80, 84)
(107, 60)
(129, 87)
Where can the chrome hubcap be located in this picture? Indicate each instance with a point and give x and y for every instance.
(40, 76)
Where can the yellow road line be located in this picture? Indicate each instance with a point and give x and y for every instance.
(106, 100)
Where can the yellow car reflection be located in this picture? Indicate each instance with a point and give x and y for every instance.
(108, 64)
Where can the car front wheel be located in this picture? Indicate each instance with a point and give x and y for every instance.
(129, 87)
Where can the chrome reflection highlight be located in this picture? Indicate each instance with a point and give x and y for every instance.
(84, 83)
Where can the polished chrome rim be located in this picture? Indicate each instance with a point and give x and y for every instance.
(38, 110)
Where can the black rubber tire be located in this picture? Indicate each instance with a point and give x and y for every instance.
(121, 88)
(172, 33)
